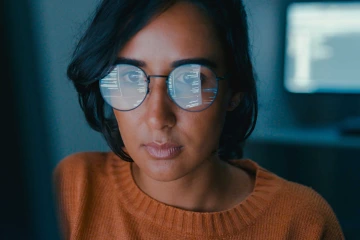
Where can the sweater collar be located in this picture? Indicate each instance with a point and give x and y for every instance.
(211, 224)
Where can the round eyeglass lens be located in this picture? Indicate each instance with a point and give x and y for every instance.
(125, 87)
(193, 87)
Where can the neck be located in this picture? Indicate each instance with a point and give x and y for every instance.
(213, 186)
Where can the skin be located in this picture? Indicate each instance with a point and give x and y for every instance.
(197, 179)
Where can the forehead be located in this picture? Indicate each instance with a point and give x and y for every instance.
(182, 31)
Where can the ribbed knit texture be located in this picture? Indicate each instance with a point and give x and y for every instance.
(98, 199)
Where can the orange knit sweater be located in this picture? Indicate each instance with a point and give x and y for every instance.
(98, 199)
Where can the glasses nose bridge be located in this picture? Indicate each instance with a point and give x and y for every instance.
(157, 76)
(161, 90)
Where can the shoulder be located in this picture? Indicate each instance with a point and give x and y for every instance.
(307, 209)
(295, 199)
(305, 198)
(80, 162)
(290, 195)
(299, 209)
(296, 195)
(75, 171)
(76, 178)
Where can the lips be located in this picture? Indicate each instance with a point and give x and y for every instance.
(163, 151)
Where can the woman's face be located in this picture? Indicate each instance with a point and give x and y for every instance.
(165, 141)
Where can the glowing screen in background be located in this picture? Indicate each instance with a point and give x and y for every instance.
(323, 48)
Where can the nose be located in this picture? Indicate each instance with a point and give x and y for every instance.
(159, 108)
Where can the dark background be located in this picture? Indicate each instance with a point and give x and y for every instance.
(27, 210)
(296, 136)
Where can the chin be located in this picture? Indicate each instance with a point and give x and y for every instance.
(164, 170)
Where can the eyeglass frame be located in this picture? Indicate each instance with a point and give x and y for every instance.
(217, 78)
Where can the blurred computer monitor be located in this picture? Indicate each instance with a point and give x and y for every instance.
(322, 52)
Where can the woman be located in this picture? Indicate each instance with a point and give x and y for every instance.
(170, 86)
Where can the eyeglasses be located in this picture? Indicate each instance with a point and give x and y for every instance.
(192, 87)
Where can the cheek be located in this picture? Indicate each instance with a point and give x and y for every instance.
(202, 130)
(213, 125)
(127, 126)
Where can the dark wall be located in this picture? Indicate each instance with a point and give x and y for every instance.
(27, 209)
(14, 207)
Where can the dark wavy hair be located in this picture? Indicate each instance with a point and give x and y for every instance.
(115, 22)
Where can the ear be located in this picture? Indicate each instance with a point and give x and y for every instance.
(235, 100)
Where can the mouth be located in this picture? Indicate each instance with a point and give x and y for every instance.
(163, 151)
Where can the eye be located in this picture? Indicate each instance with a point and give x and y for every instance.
(134, 76)
(186, 77)
(190, 78)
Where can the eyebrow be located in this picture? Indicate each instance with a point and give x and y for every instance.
(202, 61)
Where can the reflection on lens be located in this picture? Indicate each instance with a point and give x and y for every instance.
(124, 88)
(193, 87)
